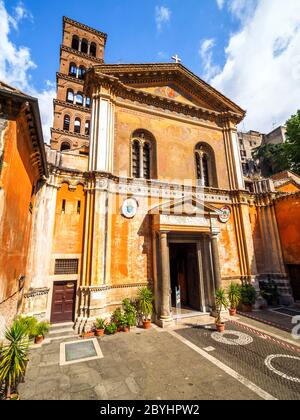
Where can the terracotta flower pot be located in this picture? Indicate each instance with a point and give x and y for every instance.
(147, 324)
(126, 329)
(220, 328)
(99, 333)
(39, 340)
(89, 334)
(14, 397)
(232, 312)
(246, 308)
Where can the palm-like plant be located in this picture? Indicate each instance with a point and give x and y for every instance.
(13, 358)
(145, 299)
(234, 295)
(221, 302)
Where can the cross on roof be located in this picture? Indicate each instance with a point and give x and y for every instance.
(176, 58)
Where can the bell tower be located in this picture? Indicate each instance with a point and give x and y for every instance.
(82, 47)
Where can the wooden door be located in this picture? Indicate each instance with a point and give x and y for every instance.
(295, 280)
(63, 302)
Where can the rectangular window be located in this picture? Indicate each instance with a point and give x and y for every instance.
(66, 266)
(78, 207)
(63, 207)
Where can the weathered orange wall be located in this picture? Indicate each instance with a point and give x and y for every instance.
(288, 218)
(291, 188)
(17, 182)
(69, 227)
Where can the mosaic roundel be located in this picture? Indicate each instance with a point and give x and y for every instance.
(268, 363)
(240, 340)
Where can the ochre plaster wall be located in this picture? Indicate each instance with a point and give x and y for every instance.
(288, 219)
(175, 146)
(17, 181)
(69, 227)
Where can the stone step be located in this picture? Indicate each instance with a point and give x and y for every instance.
(62, 333)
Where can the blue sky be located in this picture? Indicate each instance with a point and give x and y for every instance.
(247, 49)
(132, 31)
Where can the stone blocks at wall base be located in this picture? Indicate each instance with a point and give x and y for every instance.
(101, 302)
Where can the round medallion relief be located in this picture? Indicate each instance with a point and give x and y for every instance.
(129, 208)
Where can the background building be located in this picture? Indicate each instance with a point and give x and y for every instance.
(23, 170)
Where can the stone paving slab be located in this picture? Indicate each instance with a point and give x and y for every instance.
(149, 365)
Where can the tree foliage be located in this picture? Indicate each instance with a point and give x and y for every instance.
(275, 158)
(293, 142)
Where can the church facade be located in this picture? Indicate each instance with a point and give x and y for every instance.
(145, 188)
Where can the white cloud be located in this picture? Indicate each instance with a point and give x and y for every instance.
(262, 69)
(220, 4)
(210, 69)
(16, 64)
(162, 16)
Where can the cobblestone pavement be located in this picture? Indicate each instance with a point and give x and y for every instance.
(154, 365)
(270, 365)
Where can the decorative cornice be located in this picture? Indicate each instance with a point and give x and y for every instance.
(69, 78)
(66, 104)
(84, 27)
(69, 134)
(81, 54)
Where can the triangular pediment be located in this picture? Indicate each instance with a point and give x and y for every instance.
(172, 82)
(176, 93)
(188, 206)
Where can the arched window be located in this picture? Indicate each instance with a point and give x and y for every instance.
(70, 96)
(135, 159)
(79, 98)
(77, 125)
(93, 49)
(65, 146)
(143, 155)
(146, 160)
(84, 46)
(75, 43)
(205, 166)
(67, 121)
(87, 128)
(88, 102)
(73, 70)
(81, 72)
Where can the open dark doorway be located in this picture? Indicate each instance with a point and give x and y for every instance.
(185, 273)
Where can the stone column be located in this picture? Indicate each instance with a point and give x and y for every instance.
(165, 312)
(216, 261)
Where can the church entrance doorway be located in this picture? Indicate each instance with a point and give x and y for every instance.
(184, 270)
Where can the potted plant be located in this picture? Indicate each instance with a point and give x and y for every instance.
(88, 334)
(248, 297)
(13, 360)
(130, 313)
(111, 329)
(123, 323)
(100, 327)
(234, 296)
(40, 330)
(145, 299)
(116, 318)
(28, 323)
(221, 302)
